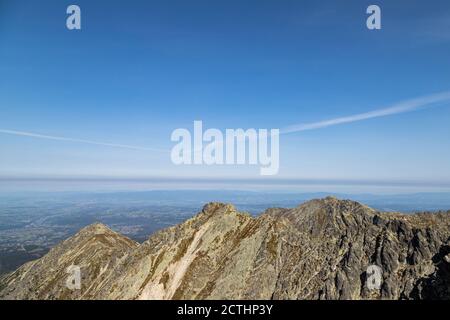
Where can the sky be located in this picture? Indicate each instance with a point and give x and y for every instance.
(353, 104)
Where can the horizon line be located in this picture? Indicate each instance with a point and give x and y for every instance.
(227, 180)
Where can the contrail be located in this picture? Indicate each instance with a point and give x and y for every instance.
(42, 136)
(402, 107)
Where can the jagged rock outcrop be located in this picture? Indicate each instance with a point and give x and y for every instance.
(319, 250)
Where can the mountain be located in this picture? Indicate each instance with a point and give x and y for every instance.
(319, 250)
(96, 249)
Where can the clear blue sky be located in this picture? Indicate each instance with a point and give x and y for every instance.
(139, 69)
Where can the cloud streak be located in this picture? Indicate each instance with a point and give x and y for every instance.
(402, 107)
(97, 143)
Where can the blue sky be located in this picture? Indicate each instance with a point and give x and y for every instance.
(137, 71)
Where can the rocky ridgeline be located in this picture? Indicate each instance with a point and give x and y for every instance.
(319, 250)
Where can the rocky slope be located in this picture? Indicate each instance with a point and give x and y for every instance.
(319, 250)
(96, 250)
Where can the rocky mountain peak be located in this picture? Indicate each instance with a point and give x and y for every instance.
(94, 251)
(319, 250)
(218, 208)
(96, 228)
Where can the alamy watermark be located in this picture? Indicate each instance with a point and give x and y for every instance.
(73, 21)
(373, 22)
(234, 147)
(73, 281)
(374, 277)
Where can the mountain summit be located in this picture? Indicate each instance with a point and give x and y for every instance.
(319, 250)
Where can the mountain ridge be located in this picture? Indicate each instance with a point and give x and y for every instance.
(318, 250)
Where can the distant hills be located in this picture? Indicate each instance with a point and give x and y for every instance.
(319, 250)
(244, 200)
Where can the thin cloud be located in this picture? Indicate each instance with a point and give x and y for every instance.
(105, 144)
(402, 107)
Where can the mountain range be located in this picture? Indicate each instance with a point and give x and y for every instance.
(322, 249)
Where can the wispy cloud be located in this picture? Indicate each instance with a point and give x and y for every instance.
(402, 107)
(97, 143)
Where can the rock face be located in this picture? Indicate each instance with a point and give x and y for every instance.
(319, 250)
